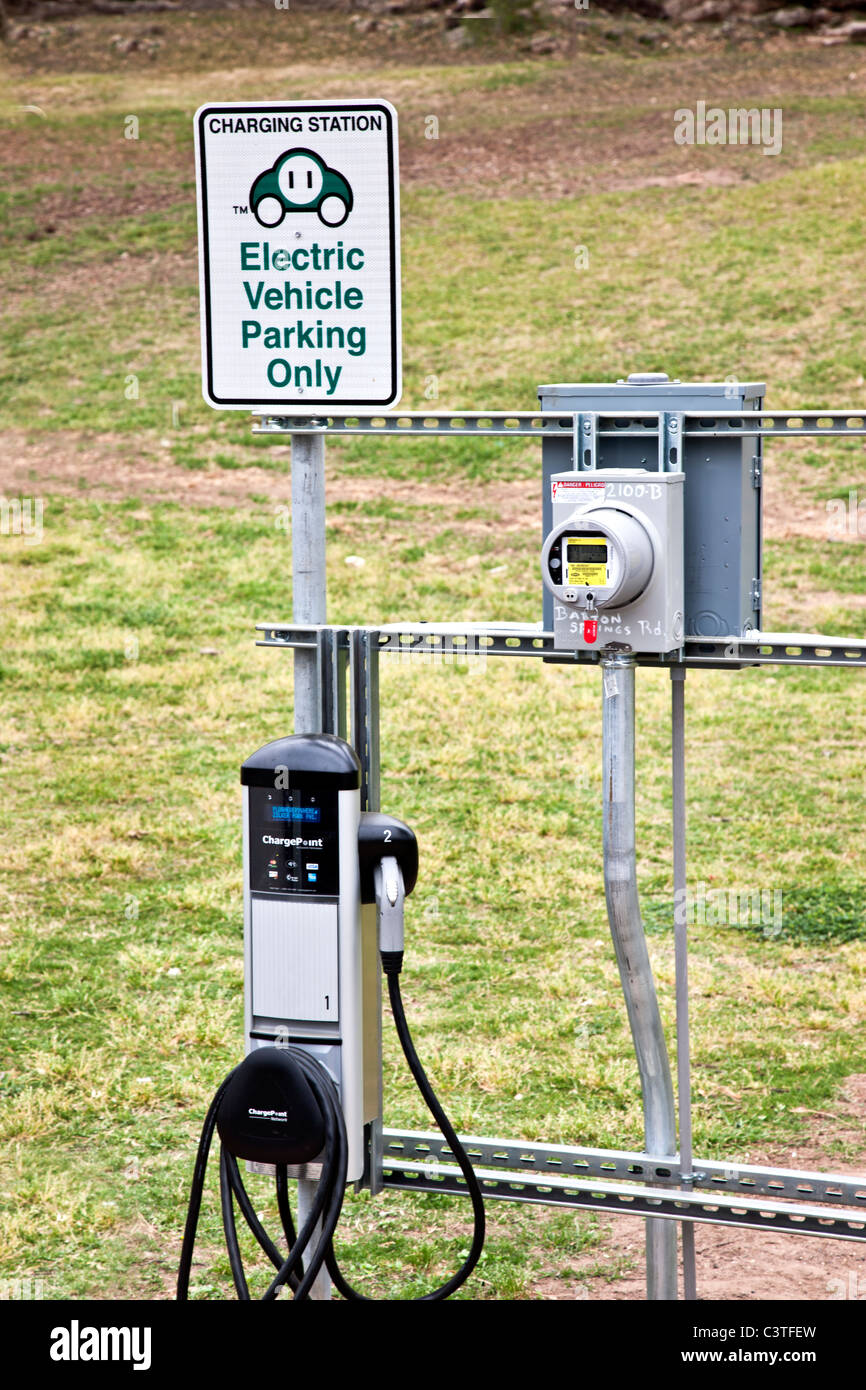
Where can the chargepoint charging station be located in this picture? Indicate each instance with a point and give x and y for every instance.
(650, 554)
(311, 976)
(324, 888)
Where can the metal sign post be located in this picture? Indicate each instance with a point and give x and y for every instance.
(681, 960)
(309, 597)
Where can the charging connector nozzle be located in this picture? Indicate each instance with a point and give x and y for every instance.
(390, 897)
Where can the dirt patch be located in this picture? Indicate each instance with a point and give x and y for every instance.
(100, 284)
(788, 504)
(114, 467)
(743, 1265)
(826, 598)
(111, 468)
(564, 157)
(57, 211)
(597, 116)
(87, 172)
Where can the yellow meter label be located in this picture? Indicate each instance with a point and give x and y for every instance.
(586, 560)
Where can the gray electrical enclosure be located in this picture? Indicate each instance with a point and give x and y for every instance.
(614, 561)
(722, 493)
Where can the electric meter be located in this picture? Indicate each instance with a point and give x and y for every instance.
(613, 561)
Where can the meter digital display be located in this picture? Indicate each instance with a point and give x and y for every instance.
(586, 560)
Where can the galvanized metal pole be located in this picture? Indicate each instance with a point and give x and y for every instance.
(681, 957)
(309, 605)
(309, 587)
(629, 940)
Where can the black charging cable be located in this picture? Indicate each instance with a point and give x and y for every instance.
(305, 1259)
(392, 964)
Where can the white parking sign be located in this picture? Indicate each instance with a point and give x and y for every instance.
(299, 254)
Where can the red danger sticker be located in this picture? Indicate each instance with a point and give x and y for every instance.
(580, 489)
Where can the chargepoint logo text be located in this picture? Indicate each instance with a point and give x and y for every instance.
(293, 843)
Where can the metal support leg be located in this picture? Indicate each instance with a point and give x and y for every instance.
(681, 956)
(332, 658)
(623, 910)
(364, 687)
(309, 605)
(364, 678)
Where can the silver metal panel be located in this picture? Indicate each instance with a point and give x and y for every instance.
(652, 506)
(351, 983)
(294, 960)
(721, 534)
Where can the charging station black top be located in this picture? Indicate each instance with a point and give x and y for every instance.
(305, 758)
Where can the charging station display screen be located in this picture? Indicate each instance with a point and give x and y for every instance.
(297, 813)
(586, 560)
(294, 841)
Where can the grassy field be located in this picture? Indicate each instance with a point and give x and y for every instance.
(131, 688)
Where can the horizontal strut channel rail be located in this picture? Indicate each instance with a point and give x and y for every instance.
(716, 1207)
(624, 1199)
(476, 641)
(543, 423)
(749, 1180)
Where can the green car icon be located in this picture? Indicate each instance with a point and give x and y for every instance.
(299, 181)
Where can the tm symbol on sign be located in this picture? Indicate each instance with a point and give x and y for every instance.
(241, 209)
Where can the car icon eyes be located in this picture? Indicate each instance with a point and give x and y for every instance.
(299, 181)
